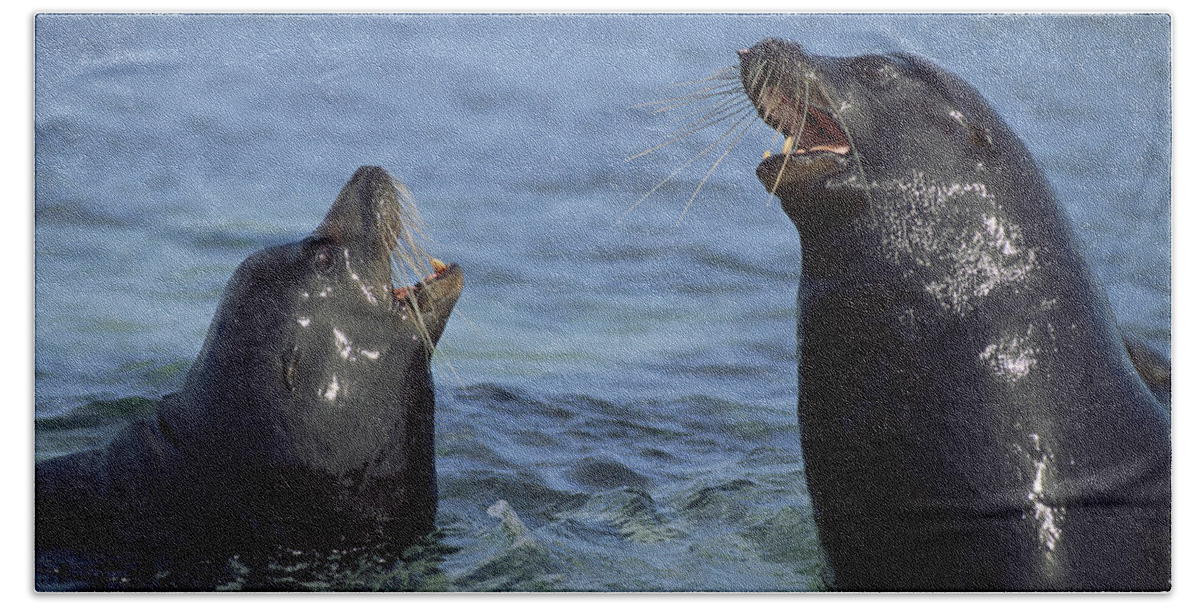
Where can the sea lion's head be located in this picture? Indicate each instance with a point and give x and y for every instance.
(314, 378)
(853, 123)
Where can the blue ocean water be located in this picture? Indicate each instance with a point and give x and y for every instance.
(616, 388)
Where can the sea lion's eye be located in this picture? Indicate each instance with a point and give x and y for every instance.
(323, 258)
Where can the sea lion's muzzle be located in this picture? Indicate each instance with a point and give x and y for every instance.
(799, 108)
(444, 283)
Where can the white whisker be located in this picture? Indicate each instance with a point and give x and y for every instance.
(714, 117)
(714, 167)
(745, 114)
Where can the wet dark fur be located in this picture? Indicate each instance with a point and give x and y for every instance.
(970, 416)
(306, 420)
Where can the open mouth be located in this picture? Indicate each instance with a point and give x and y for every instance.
(808, 129)
(418, 294)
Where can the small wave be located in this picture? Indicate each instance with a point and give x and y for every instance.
(606, 474)
(526, 491)
(79, 213)
(87, 426)
(509, 557)
(98, 413)
(632, 514)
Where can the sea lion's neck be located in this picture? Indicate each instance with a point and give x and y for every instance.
(952, 238)
(951, 280)
(955, 255)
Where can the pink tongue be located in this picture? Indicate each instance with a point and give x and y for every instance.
(820, 131)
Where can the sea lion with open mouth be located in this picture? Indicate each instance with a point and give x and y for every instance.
(970, 418)
(306, 420)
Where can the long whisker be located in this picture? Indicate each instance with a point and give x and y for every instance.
(731, 145)
(694, 96)
(722, 113)
(709, 115)
(760, 74)
(408, 257)
(733, 98)
(729, 72)
(732, 94)
(746, 113)
(718, 101)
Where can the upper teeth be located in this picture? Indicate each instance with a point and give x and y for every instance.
(438, 265)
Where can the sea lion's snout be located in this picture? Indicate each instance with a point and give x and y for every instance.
(368, 211)
(785, 87)
(432, 298)
(375, 218)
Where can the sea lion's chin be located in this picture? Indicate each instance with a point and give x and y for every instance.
(427, 304)
(780, 173)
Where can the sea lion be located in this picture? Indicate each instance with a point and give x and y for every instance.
(970, 419)
(307, 419)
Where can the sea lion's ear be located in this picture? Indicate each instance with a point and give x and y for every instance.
(979, 135)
